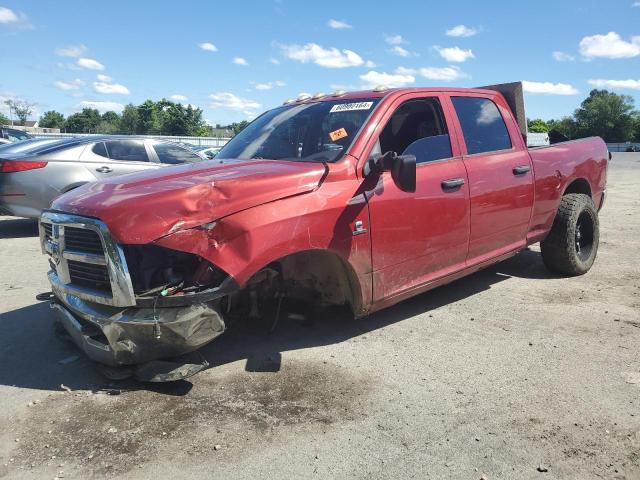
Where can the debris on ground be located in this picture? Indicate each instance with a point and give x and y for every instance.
(68, 360)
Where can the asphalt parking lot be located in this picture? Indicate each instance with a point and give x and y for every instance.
(509, 373)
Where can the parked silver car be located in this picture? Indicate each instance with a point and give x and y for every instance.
(10, 135)
(34, 172)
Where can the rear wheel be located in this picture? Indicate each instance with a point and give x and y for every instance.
(572, 245)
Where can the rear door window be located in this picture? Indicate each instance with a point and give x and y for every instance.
(127, 150)
(482, 125)
(100, 149)
(172, 154)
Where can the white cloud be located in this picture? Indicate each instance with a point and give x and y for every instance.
(462, 31)
(18, 20)
(324, 57)
(109, 88)
(104, 78)
(71, 51)
(338, 25)
(454, 54)
(67, 86)
(635, 4)
(268, 85)
(101, 106)
(395, 40)
(402, 52)
(241, 61)
(90, 64)
(179, 98)
(274, 61)
(616, 84)
(446, 74)
(8, 16)
(372, 79)
(488, 114)
(208, 47)
(549, 88)
(610, 45)
(562, 57)
(230, 101)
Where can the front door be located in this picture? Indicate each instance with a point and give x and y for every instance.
(417, 237)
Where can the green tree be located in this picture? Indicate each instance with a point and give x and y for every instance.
(4, 120)
(51, 119)
(109, 124)
(129, 120)
(86, 121)
(21, 108)
(237, 127)
(607, 115)
(148, 122)
(566, 126)
(537, 125)
(636, 127)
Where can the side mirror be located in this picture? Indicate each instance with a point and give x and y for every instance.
(402, 168)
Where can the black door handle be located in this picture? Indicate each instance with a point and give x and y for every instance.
(104, 169)
(521, 169)
(452, 184)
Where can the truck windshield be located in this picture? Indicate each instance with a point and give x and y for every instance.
(311, 132)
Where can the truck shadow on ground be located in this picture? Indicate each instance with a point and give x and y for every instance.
(18, 227)
(32, 356)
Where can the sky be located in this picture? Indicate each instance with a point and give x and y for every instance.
(237, 59)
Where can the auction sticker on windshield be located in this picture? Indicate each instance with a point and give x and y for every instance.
(347, 107)
(338, 134)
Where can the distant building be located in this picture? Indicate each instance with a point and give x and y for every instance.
(31, 126)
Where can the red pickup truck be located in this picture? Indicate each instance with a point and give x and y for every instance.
(357, 199)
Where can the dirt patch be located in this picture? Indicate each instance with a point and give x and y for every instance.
(589, 442)
(103, 433)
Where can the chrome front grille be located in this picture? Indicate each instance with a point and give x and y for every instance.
(85, 260)
(81, 240)
(89, 275)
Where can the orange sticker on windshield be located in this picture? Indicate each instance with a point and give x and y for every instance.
(338, 134)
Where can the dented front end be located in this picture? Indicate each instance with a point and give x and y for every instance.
(130, 304)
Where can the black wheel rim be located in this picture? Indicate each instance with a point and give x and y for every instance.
(584, 236)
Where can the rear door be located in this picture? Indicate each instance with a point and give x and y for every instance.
(500, 175)
(417, 237)
(118, 157)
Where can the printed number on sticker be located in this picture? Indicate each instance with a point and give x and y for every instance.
(347, 107)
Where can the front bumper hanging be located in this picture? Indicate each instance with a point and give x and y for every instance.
(127, 336)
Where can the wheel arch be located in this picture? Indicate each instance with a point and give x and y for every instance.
(578, 185)
(73, 186)
(318, 275)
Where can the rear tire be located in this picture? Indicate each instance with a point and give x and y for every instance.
(572, 245)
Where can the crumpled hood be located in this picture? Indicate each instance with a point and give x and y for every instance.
(142, 207)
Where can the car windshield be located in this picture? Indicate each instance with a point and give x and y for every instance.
(312, 132)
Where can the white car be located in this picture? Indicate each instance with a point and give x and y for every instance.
(208, 152)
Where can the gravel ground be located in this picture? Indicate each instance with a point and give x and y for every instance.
(509, 373)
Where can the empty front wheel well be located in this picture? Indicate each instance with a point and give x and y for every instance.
(317, 277)
(579, 185)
